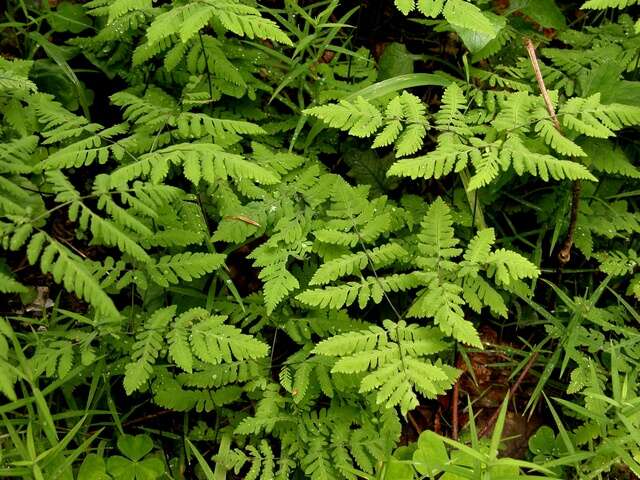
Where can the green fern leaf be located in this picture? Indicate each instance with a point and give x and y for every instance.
(11, 285)
(430, 8)
(392, 356)
(437, 240)
(523, 160)
(602, 4)
(443, 303)
(463, 14)
(510, 266)
(450, 117)
(69, 270)
(146, 349)
(449, 156)
(405, 6)
(556, 140)
(215, 342)
(188, 20)
(170, 269)
(360, 118)
(348, 264)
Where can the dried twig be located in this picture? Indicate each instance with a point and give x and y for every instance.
(531, 50)
(491, 422)
(564, 255)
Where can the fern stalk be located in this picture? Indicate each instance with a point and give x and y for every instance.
(564, 255)
(474, 202)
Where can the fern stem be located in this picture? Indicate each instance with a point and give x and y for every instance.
(206, 66)
(472, 198)
(564, 255)
(454, 409)
(531, 50)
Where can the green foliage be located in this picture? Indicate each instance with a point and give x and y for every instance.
(233, 227)
(391, 356)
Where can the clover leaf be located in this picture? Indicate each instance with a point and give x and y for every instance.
(134, 465)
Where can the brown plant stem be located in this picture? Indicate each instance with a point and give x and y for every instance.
(525, 371)
(414, 424)
(454, 409)
(564, 255)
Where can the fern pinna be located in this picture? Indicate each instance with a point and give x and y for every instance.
(287, 243)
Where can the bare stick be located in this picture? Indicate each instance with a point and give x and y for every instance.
(491, 422)
(531, 50)
(564, 255)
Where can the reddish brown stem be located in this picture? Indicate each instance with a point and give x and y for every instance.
(414, 424)
(525, 371)
(148, 417)
(564, 255)
(454, 409)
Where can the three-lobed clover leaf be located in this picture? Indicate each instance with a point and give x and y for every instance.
(134, 465)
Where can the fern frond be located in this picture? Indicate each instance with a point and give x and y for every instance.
(82, 152)
(119, 8)
(334, 237)
(516, 154)
(57, 122)
(146, 349)
(487, 167)
(556, 140)
(111, 234)
(430, 8)
(187, 20)
(9, 284)
(404, 109)
(170, 393)
(618, 263)
(443, 302)
(508, 266)
(359, 118)
(479, 247)
(14, 154)
(170, 269)
(153, 110)
(394, 115)
(450, 117)
(369, 289)
(450, 155)
(392, 356)
(478, 293)
(604, 156)
(348, 264)
(463, 14)
(589, 117)
(199, 160)
(602, 4)
(215, 342)
(437, 240)
(68, 269)
(14, 77)
(212, 61)
(196, 124)
(515, 112)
